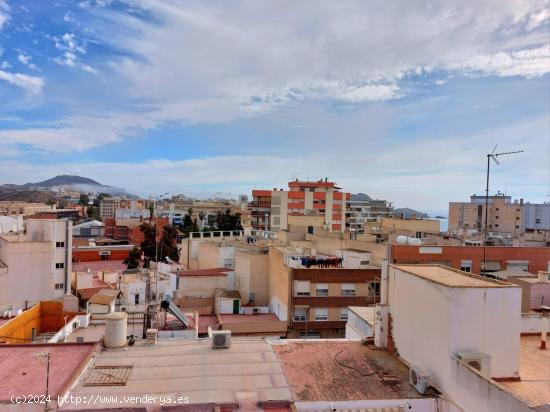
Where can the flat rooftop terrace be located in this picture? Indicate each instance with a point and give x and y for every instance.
(451, 277)
(342, 371)
(534, 370)
(23, 373)
(248, 371)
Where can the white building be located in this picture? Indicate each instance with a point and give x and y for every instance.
(457, 329)
(35, 265)
(92, 228)
(132, 213)
(11, 224)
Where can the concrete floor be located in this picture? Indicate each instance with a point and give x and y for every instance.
(246, 372)
(534, 370)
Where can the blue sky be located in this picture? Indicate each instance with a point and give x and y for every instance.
(400, 100)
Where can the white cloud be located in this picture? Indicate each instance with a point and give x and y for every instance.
(72, 48)
(527, 63)
(5, 65)
(24, 59)
(31, 84)
(194, 62)
(4, 13)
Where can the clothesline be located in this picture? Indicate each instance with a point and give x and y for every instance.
(309, 261)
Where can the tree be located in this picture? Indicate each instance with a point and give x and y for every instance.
(228, 221)
(148, 246)
(84, 199)
(93, 212)
(168, 246)
(132, 261)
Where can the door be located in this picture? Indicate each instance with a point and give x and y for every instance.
(236, 306)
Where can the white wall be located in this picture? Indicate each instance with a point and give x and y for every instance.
(532, 322)
(409, 405)
(431, 323)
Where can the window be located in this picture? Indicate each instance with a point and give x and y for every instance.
(59, 244)
(518, 264)
(374, 288)
(321, 289)
(301, 288)
(497, 209)
(104, 257)
(496, 225)
(348, 289)
(419, 235)
(59, 265)
(344, 314)
(310, 230)
(59, 286)
(300, 314)
(228, 263)
(251, 296)
(310, 335)
(321, 314)
(496, 217)
(136, 298)
(538, 221)
(466, 266)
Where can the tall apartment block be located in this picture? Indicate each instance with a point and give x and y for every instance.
(35, 265)
(270, 209)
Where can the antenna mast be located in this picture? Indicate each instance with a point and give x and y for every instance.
(490, 156)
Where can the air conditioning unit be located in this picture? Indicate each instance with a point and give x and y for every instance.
(478, 361)
(419, 380)
(221, 339)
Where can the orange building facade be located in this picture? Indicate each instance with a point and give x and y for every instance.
(270, 208)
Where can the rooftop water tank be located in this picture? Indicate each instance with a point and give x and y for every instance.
(116, 328)
(406, 240)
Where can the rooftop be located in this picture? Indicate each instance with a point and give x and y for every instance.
(247, 371)
(206, 272)
(259, 317)
(102, 265)
(20, 368)
(342, 371)
(532, 279)
(534, 370)
(451, 277)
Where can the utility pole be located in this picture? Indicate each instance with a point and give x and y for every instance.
(490, 156)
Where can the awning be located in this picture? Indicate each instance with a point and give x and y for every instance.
(492, 265)
(301, 306)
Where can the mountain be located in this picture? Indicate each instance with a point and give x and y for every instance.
(31, 191)
(62, 180)
(408, 212)
(360, 197)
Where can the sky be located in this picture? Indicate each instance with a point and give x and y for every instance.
(401, 100)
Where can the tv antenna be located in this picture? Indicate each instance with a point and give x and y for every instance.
(490, 156)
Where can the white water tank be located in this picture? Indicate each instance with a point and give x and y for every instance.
(406, 240)
(116, 328)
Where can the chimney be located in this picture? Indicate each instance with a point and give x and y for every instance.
(542, 276)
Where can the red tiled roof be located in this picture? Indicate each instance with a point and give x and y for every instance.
(206, 272)
(87, 293)
(23, 373)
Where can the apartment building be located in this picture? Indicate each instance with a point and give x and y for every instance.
(35, 265)
(313, 291)
(270, 209)
(10, 208)
(470, 258)
(503, 214)
(108, 207)
(362, 210)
